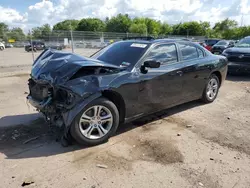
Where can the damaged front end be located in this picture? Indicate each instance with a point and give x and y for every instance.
(62, 84)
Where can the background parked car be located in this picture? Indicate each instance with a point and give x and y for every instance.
(220, 46)
(37, 45)
(2, 46)
(8, 45)
(56, 46)
(210, 43)
(239, 57)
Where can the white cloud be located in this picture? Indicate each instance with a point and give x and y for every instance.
(9, 15)
(172, 11)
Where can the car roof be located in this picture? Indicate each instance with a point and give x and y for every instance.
(153, 41)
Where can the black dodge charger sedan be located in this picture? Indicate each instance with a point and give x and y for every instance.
(126, 80)
(239, 57)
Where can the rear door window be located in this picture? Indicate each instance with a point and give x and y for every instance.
(190, 52)
(164, 53)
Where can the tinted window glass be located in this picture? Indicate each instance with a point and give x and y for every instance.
(122, 53)
(165, 53)
(188, 52)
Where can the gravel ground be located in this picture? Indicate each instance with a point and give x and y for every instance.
(192, 145)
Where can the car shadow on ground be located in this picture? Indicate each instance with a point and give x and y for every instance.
(238, 78)
(38, 139)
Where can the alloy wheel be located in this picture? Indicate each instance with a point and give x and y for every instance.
(212, 88)
(96, 122)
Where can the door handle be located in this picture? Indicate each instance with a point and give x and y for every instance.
(180, 73)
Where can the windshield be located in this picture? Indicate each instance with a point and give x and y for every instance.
(123, 54)
(222, 43)
(244, 43)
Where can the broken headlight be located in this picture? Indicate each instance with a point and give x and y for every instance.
(65, 96)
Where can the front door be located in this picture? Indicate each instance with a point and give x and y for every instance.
(161, 87)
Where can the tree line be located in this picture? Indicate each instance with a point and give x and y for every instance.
(225, 29)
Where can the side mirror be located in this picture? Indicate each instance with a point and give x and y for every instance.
(152, 64)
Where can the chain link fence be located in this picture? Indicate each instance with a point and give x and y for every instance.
(84, 43)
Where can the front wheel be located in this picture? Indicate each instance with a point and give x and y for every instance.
(95, 123)
(1, 48)
(211, 90)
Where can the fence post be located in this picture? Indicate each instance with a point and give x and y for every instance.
(31, 44)
(72, 40)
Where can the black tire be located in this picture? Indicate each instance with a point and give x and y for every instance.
(83, 140)
(205, 98)
(1, 48)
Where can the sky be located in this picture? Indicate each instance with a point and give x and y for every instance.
(31, 13)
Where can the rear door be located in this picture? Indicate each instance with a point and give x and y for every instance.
(195, 70)
(161, 87)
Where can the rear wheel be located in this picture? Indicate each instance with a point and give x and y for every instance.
(95, 123)
(211, 90)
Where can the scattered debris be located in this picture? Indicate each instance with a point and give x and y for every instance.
(93, 186)
(13, 177)
(26, 92)
(211, 159)
(27, 181)
(228, 118)
(178, 134)
(31, 139)
(201, 184)
(188, 126)
(221, 153)
(102, 166)
(84, 178)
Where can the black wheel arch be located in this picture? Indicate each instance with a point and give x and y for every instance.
(118, 100)
(218, 74)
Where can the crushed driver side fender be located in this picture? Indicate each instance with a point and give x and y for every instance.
(70, 115)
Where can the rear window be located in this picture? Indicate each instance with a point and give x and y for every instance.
(189, 52)
(124, 54)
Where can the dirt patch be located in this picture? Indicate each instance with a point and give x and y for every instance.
(114, 161)
(2, 91)
(157, 150)
(233, 143)
(176, 120)
(199, 179)
(18, 134)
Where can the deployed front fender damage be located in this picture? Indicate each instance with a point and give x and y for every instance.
(62, 84)
(69, 116)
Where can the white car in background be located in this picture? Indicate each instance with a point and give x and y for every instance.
(2, 47)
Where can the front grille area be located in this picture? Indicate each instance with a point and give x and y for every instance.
(39, 92)
(239, 58)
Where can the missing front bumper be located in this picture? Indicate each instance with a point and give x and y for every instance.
(40, 105)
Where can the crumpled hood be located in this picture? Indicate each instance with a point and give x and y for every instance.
(58, 67)
(239, 50)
